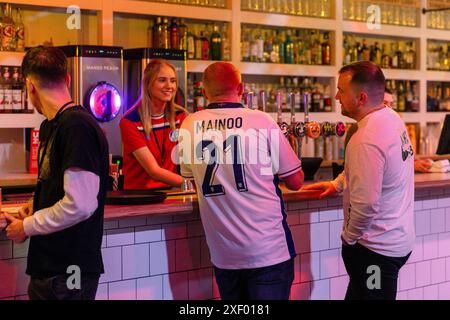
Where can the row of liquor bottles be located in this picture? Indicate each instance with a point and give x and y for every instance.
(200, 3)
(393, 53)
(438, 96)
(312, 8)
(201, 42)
(403, 13)
(12, 91)
(12, 29)
(438, 56)
(290, 46)
(405, 95)
(439, 19)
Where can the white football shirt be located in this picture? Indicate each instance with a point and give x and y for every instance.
(236, 157)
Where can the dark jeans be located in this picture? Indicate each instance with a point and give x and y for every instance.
(362, 266)
(266, 283)
(55, 288)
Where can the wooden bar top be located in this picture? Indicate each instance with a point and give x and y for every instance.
(179, 203)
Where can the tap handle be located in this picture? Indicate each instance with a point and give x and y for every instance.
(279, 106)
(328, 129)
(292, 103)
(340, 129)
(250, 100)
(306, 106)
(313, 129)
(262, 99)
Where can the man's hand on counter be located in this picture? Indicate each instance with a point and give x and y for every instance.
(15, 230)
(26, 210)
(327, 187)
(3, 221)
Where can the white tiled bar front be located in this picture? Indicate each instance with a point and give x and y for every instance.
(166, 256)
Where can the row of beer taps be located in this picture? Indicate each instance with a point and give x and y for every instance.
(296, 130)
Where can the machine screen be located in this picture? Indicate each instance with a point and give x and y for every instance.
(104, 102)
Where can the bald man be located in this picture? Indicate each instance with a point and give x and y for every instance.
(233, 156)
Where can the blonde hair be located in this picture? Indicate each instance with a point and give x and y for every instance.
(145, 108)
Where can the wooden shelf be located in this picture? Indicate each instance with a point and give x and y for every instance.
(287, 69)
(198, 65)
(386, 30)
(287, 21)
(173, 10)
(438, 76)
(83, 4)
(403, 74)
(20, 120)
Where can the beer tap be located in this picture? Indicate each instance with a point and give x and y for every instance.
(283, 125)
(295, 137)
(250, 100)
(312, 128)
(262, 100)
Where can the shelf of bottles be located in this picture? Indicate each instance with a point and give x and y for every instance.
(12, 35)
(288, 46)
(202, 40)
(438, 55)
(405, 95)
(389, 53)
(438, 96)
(308, 8)
(200, 3)
(438, 19)
(12, 91)
(394, 12)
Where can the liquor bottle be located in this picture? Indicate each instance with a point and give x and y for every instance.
(409, 97)
(204, 46)
(316, 99)
(395, 58)
(190, 39)
(438, 96)
(326, 50)
(281, 45)
(327, 99)
(164, 35)
(7, 89)
(150, 34)
(253, 48)
(157, 32)
(183, 31)
(275, 54)
(174, 35)
(199, 99)
(385, 58)
(415, 105)
(245, 46)
(20, 31)
(365, 51)
(8, 30)
(267, 47)
(216, 44)
(400, 58)
(225, 49)
(260, 48)
(2, 92)
(409, 56)
(377, 54)
(401, 99)
(16, 88)
(288, 49)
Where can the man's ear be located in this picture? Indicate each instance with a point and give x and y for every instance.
(204, 94)
(31, 86)
(363, 98)
(68, 80)
(240, 89)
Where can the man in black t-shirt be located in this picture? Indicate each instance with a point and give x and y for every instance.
(65, 219)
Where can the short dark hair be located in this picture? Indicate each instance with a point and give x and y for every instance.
(47, 64)
(369, 76)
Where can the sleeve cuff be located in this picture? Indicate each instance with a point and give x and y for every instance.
(290, 172)
(347, 239)
(28, 226)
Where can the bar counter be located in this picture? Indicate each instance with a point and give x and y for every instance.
(159, 251)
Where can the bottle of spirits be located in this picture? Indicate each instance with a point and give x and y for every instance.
(288, 49)
(281, 45)
(8, 30)
(157, 32)
(395, 58)
(326, 50)
(164, 36)
(216, 44)
(225, 49)
(409, 96)
(253, 49)
(174, 34)
(205, 46)
(260, 48)
(7, 89)
(190, 39)
(183, 31)
(16, 88)
(385, 58)
(199, 99)
(401, 102)
(245, 46)
(365, 51)
(20, 31)
(415, 105)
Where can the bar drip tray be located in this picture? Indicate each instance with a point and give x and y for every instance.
(133, 197)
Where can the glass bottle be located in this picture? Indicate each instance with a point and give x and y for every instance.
(226, 49)
(288, 49)
(205, 46)
(16, 88)
(8, 30)
(157, 32)
(216, 44)
(326, 50)
(183, 31)
(164, 34)
(190, 41)
(174, 35)
(20, 31)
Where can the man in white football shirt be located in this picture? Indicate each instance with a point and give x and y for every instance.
(378, 186)
(236, 157)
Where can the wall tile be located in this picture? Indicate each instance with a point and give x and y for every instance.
(312, 204)
(444, 244)
(337, 201)
(430, 247)
(447, 219)
(174, 231)
(438, 271)
(320, 236)
(437, 217)
(162, 257)
(407, 276)
(112, 261)
(335, 234)
(20, 250)
(122, 290)
(310, 266)
(292, 206)
(402, 295)
(159, 219)
(418, 205)
(328, 215)
(308, 216)
(302, 238)
(150, 288)
(186, 217)
(429, 204)
(447, 269)
(415, 294)
(431, 292)
(423, 273)
(320, 290)
(338, 287)
(13, 280)
(102, 292)
(195, 229)
(444, 202)
(151, 233)
(422, 222)
(329, 263)
(110, 224)
(135, 261)
(176, 286)
(132, 222)
(205, 257)
(187, 254)
(119, 237)
(444, 291)
(417, 253)
(301, 291)
(293, 219)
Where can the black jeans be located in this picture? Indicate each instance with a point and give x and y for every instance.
(55, 288)
(266, 283)
(373, 276)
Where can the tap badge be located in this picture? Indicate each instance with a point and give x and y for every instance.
(313, 129)
(340, 129)
(327, 129)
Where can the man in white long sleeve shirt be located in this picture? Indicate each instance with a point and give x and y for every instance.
(377, 184)
(65, 219)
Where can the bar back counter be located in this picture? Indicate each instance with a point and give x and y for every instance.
(159, 251)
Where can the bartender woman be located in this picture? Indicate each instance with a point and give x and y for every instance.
(150, 131)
